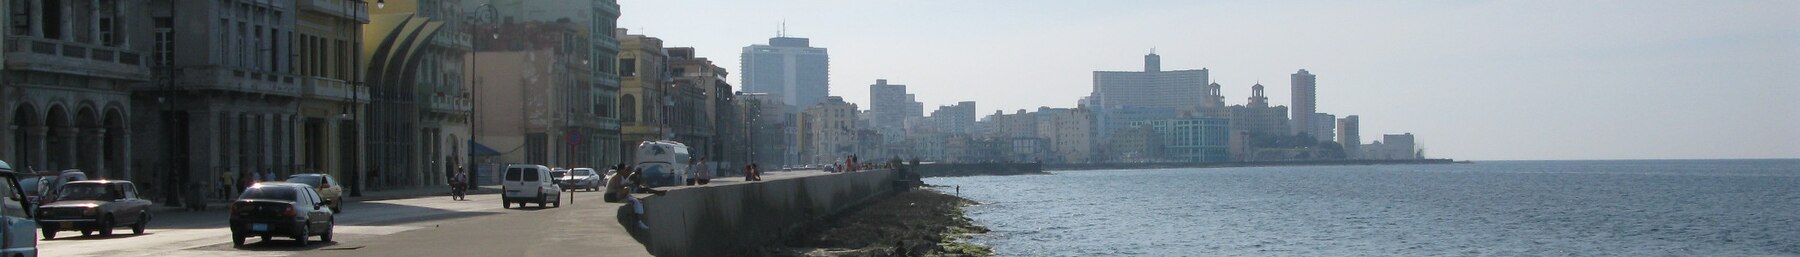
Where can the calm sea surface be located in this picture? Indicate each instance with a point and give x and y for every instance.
(1524, 208)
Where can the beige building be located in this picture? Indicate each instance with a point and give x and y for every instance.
(331, 86)
(534, 106)
(418, 120)
(827, 131)
(1070, 134)
(643, 90)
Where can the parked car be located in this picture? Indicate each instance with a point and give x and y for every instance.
(529, 183)
(16, 223)
(330, 191)
(281, 209)
(51, 183)
(93, 206)
(560, 177)
(583, 178)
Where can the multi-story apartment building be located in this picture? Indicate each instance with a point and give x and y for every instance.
(765, 123)
(1119, 91)
(643, 91)
(827, 131)
(789, 68)
(1305, 101)
(1257, 118)
(1193, 139)
(70, 70)
(418, 121)
(702, 109)
(955, 119)
(891, 106)
(1349, 135)
(596, 20)
(333, 95)
(1069, 132)
(534, 91)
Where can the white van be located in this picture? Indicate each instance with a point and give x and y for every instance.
(664, 163)
(17, 229)
(529, 183)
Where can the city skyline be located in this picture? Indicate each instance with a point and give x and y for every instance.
(1470, 78)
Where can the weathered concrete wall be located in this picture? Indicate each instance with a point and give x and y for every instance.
(1171, 165)
(727, 220)
(979, 169)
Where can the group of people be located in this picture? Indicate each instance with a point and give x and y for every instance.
(244, 181)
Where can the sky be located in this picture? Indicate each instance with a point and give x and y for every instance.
(1475, 80)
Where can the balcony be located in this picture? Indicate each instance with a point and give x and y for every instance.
(333, 90)
(45, 55)
(451, 105)
(237, 80)
(348, 9)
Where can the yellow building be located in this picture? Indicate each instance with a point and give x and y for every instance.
(643, 82)
(418, 119)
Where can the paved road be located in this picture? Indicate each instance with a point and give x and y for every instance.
(432, 226)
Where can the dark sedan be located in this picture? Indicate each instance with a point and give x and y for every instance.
(93, 206)
(281, 209)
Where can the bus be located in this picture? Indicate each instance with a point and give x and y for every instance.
(663, 162)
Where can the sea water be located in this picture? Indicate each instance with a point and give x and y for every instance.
(1513, 208)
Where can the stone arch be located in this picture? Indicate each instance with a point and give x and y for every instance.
(26, 128)
(628, 108)
(85, 148)
(113, 143)
(59, 139)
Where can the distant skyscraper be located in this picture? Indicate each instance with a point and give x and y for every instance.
(891, 105)
(1323, 127)
(1303, 107)
(1153, 88)
(787, 68)
(1349, 134)
(955, 119)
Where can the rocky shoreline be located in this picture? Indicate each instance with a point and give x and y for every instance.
(914, 223)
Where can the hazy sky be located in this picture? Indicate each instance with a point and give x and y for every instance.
(1481, 80)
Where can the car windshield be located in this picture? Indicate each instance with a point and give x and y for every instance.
(280, 193)
(29, 185)
(558, 174)
(584, 172)
(84, 191)
(308, 180)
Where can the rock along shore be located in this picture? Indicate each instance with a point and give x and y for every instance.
(913, 223)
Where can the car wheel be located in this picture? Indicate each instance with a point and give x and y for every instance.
(237, 239)
(557, 203)
(337, 206)
(305, 234)
(87, 232)
(143, 221)
(331, 226)
(505, 205)
(106, 225)
(49, 233)
(265, 237)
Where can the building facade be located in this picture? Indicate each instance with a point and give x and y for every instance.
(828, 131)
(1323, 127)
(788, 68)
(1070, 134)
(1257, 118)
(596, 20)
(643, 91)
(1349, 135)
(891, 106)
(1177, 90)
(333, 95)
(70, 72)
(536, 88)
(1193, 139)
(418, 125)
(1304, 105)
(701, 92)
(955, 119)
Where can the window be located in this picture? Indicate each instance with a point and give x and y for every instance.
(628, 67)
(107, 19)
(51, 14)
(21, 17)
(165, 42)
(628, 108)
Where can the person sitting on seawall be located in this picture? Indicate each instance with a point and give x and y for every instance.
(751, 173)
(702, 173)
(616, 186)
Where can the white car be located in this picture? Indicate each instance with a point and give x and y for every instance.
(583, 179)
(529, 183)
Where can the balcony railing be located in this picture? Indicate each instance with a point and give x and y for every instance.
(26, 52)
(351, 9)
(333, 90)
(449, 104)
(238, 80)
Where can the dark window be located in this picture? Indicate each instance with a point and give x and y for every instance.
(279, 193)
(513, 174)
(531, 175)
(85, 191)
(628, 108)
(536, 145)
(21, 17)
(628, 67)
(308, 180)
(52, 14)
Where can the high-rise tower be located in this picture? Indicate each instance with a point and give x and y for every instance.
(788, 68)
(1303, 104)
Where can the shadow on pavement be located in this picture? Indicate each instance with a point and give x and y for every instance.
(418, 214)
(76, 236)
(280, 244)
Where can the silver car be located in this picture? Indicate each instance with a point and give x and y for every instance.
(583, 178)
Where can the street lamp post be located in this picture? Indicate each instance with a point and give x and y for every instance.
(476, 17)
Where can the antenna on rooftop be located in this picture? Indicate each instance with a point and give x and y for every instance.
(782, 31)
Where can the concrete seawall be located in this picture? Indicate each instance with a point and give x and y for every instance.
(1120, 166)
(979, 169)
(729, 220)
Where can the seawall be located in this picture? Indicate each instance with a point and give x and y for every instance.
(733, 219)
(979, 169)
(1120, 166)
